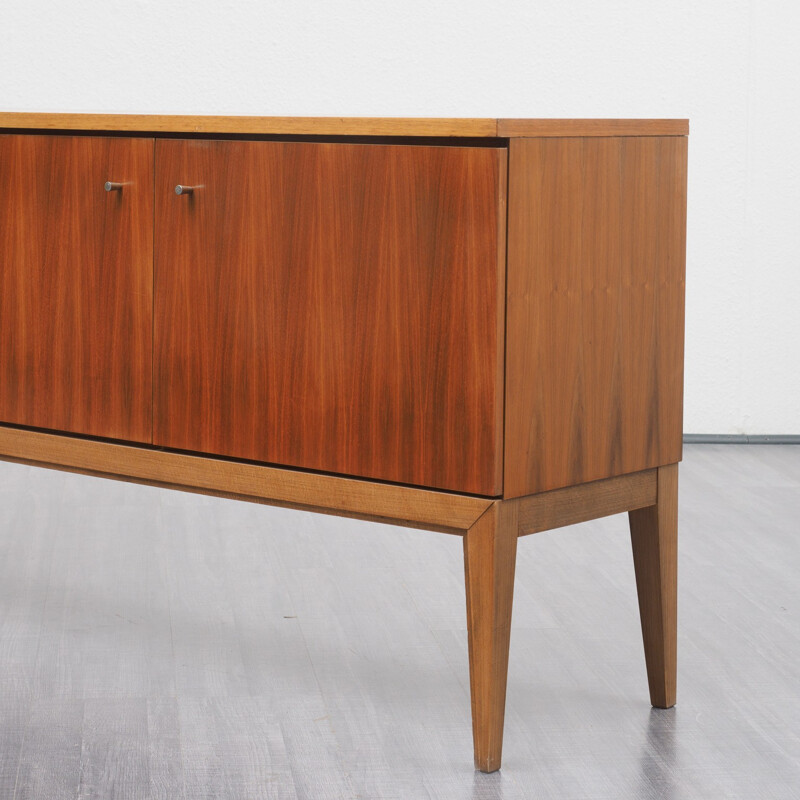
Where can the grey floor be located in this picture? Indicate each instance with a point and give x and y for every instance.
(155, 644)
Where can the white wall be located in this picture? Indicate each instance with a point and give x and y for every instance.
(731, 66)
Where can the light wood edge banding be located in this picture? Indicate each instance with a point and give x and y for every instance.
(342, 126)
(299, 126)
(360, 499)
(537, 128)
(560, 507)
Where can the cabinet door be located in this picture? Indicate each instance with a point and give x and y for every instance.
(335, 307)
(76, 279)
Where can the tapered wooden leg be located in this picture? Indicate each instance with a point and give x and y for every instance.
(654, 535)
(490, 552)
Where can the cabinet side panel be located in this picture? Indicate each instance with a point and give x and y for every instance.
(595, 309)
(76, 281)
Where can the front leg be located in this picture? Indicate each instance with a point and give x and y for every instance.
(654, 535)
(490, 552)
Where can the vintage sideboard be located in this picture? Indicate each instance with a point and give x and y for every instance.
(472, 326)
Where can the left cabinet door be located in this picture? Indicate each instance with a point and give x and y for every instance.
(76, 284)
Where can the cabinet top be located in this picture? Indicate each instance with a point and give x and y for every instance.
(343, 126)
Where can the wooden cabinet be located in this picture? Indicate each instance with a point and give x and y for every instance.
(469, 326)
(333, 306)
(76, 281)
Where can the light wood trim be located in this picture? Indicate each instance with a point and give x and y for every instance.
(592, 127)
(398, 505)
(654, 537)
(305, 126)
(548, 510)
(344, 126)
(490, 551)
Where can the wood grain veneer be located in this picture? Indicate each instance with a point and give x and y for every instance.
(334, 307)
(344, 126)
(594, 358)
(76, 284)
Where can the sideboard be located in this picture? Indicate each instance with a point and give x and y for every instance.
(472, 326)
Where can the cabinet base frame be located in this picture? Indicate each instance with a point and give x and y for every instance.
(490, 528)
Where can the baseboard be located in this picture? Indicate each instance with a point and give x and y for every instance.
(741, 438)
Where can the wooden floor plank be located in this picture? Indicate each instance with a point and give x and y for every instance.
(50, 762)
(114, 750)
(164, 754)
(234, 748)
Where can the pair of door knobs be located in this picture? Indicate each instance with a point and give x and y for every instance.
(110, 186)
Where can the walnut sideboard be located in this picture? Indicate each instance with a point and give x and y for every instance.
(472, 326)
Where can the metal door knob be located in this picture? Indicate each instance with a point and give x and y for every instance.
(180, 189)
(110, 186)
